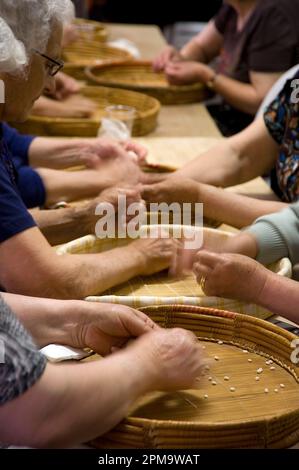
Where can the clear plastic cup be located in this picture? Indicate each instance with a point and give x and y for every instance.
(118, 122)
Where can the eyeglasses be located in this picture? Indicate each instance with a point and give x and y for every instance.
(53, 65)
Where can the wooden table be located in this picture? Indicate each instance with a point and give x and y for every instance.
(184, 123)
(184, 131)
(177, 121)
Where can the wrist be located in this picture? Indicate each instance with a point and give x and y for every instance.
(88, 214)
(79, 315)
(87, 217)
(243, 244)
(60, 323)
(83, 219)
(211, 80)
(138, 257)
(203, 197)
(265, 284)
(144, 375)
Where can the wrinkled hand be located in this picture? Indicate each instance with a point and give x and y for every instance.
(140, 151)
(112, 196)
(75, 106)
(99, 150)
(230, 275)
(187, 73)
(167, 55)
(172, 190)
(242, 243)
(172, 358)
(65, 86)
(185, 258)
(102, 327)
(156, 253)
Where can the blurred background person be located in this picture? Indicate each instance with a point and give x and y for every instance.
(253, 41)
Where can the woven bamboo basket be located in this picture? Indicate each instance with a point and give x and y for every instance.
(147, 112)
(139, 76)
(91, 30)
(88, 53)
(214, 416)
(75, 71)
(159, 289)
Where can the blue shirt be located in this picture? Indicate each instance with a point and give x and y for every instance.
(18, 145)
(14, 216)
(29, 182)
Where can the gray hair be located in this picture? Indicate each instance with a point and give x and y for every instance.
(26, 25)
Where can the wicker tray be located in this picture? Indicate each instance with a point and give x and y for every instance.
(159, 289)
(88, 53)
(139, 76)
(91, 30)
(245, 418)
(148, 109)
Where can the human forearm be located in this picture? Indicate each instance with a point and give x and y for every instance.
(85, 275)
(235, 209)
(57, 153)
(242, 96)
(47, 320)
(63, 225)
(280, 296)
(64, 277)
(218, 166)
(74, 276)
(74, 185)
(205, 46)
(59, 413)
(234, 160)
(193, 51)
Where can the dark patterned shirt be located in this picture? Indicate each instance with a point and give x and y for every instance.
(282, 121)
(21, 364)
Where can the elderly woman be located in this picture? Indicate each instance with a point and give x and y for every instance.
(269, 144)
(255, 42)
(30, 57)
(109, 163)
(66, 101)
(43, 405)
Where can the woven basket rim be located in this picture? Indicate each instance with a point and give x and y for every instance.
(235, 317)
(92, 238)
(156, 106)
(275, 430)
(121, 54)
(284, 263)
(90, 75)
(215, 312)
